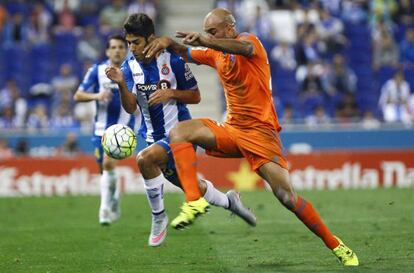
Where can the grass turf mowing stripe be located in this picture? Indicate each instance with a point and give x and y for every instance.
(63, 235)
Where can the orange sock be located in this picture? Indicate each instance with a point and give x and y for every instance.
(310, 217)
(185, 161)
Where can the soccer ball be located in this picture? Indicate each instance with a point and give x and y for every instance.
(119, 141)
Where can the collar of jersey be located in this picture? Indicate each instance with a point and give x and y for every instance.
(152, 63)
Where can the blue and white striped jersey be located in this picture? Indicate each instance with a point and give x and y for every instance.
(168, 71)
(109, 113)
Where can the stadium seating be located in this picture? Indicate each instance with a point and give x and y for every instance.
(40, 63)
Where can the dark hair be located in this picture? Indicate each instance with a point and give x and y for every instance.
(118, 37)
(139, 24)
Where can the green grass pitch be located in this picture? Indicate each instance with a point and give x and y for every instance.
(63, 235)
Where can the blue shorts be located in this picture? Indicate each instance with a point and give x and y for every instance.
(99, 153)
(170, 172)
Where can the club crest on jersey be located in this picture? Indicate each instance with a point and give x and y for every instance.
(165, 70)
(164, 84)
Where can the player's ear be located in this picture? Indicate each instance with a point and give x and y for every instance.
(107, 53)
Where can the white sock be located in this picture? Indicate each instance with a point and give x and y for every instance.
(215, 197)
(154, 188)
(106, 182)
(114, 191)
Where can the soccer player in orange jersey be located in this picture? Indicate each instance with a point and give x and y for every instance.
(251, 129)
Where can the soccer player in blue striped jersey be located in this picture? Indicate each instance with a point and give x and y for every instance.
(96, 86)
(161, 87)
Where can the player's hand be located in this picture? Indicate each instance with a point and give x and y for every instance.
(156, 46)
(191, 38)
(104, 96)
(160, 96)
(114, 73)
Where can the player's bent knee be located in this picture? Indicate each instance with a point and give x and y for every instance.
(177, 135)
(286, 197)
(145, 158)
(142, 159)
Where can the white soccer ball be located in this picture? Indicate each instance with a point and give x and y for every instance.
(119, 141)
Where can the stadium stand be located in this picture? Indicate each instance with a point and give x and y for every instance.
(37, 39)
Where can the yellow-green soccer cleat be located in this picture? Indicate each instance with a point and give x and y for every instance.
(345, 255)
(189, 211)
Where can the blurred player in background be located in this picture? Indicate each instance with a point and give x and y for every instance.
(96, 86)
(251, 129)
(162, 86)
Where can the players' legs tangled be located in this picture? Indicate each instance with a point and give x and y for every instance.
(182, 137)
(150, 162)
(109, 207)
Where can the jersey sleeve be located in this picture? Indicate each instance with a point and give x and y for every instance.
(90, 81)
(183, 74)
(202, 55)
(126, 70)
(256, 44)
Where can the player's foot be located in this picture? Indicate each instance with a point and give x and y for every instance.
(345, 255)
(236, 207)
(105, 217)
(158, 229)
(189, 211)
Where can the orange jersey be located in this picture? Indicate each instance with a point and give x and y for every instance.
(246, 82)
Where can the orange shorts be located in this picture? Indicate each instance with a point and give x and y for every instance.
(258, 145)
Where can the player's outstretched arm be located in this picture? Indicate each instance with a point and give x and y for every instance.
(162, 43)
(127, 98)
(231, 46)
